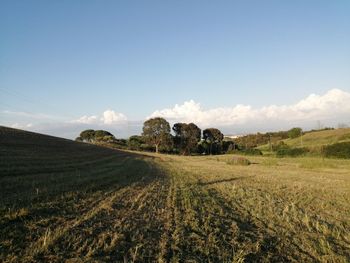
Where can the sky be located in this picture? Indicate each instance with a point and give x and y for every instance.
(241, 66)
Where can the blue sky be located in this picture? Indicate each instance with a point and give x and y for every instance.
(62, 60)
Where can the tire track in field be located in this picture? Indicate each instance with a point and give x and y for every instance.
(50, 237)
(205, 227)
(254, 240)
(127, 225)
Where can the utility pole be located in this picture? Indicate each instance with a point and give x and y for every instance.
(128, 128)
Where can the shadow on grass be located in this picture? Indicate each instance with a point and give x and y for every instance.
(250, 234)
(53, 199)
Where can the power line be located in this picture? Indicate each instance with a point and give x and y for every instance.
(35, 101)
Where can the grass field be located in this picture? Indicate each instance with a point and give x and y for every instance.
(67, 201)
(316, 139)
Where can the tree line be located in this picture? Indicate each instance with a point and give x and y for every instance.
(187, 139)
(158, 136)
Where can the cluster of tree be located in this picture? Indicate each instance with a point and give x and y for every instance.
(187, 138)
(253, 140)
(183, 138)
(101, 137)
(95, 136)
(212, 142)
(323, 129)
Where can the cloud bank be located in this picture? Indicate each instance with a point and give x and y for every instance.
(108, 117)
(333, 105)
(110, 120)
(329, 109)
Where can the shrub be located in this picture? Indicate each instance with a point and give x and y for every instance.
(337, 150)
(229, 146)
(135, 142)
(291, 152)
(238, 161)
(280, 145)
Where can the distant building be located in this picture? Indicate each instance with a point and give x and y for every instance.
(232, 136)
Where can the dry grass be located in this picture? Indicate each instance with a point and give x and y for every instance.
(273, 210)
(64, 201)
(315, 140)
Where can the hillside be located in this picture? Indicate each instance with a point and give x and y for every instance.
(316, 139)
(64, 201)
(55, 192)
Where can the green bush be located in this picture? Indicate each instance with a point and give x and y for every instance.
(291, 152)
(337, 150)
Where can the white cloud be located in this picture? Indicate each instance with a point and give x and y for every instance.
(87, 119)
(332, 105)
(330, 109)
(108, 117)
(111, 117)
(108, 120)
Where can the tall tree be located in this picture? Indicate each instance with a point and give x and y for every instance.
(295, 132)
(186, 137)
(179, 140)
(214, 138)
(156, 132)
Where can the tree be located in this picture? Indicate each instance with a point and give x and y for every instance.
(214, 138)
(229, 146)
(102, 133)
(167, 145)
(87, 135)
(203, 147)
(156, 132)
(104, 136)
(295, 132)
(96, 136)
(186, 137)
(195, 136)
